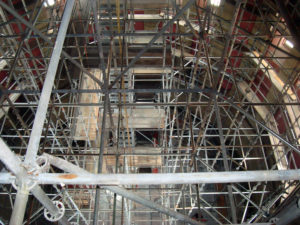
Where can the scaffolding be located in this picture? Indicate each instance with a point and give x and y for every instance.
(137, 112)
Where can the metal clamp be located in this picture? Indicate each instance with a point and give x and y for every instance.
(61, 211)
(43, 164)
(25, 185)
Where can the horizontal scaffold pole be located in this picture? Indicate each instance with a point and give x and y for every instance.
(161, 178)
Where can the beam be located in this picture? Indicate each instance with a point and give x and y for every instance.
(10, 160)
(40, 117)
(19, 209)
(161, 178)
(164, 178)
(225, 160)
(105, 110)
(13, 163)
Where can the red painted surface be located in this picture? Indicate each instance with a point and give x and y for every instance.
(264, 87)
(139, 25)
(277, 42)
(91, 29)
(194, 46)
(174, 30)
(235, 56)
(279, 117)
(234, 61)
(3, 75)
(297, 87)
(19, 28)
(155, 170)
(297, 161)
(247, 26)
(226, 84)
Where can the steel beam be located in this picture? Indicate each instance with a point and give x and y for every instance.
(105, 109)
(13, 163)
(40, 117)
(10, 160)
(225, 161)
(162, 178)
(19, 209)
